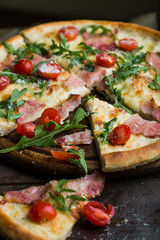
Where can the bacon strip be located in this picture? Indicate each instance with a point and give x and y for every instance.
(68, 106)
(37, 59)
(73, 82)
(140, 126)
(101, 42)
(154, 59)
(151, 109)
(6, 62)
(76, 138)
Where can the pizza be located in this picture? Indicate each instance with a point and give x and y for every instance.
(53, 70)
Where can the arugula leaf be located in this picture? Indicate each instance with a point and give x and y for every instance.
(44, 138)
(88, 97)
(106, 130)
(94, 29)
(61, 201)
(156, 83)
(81, 161)
(38, 65)
(89, 67)
(10, 105)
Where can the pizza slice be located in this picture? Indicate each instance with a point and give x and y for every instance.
(124, 141)
(29, 213)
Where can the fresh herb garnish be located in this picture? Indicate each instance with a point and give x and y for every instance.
(27, 50)
(44, 138)
(106, 130)
(88, 97)
(61, 201)
(8, 106)
(81, 160)
(36, 68)
(156, 83)
(95, 28)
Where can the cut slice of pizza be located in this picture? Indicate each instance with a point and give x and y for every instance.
(67, 197)
(141, 143)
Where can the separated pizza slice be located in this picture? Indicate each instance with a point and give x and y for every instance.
(29, 213)
(124, 141)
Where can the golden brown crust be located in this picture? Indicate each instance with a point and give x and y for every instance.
(118, 161)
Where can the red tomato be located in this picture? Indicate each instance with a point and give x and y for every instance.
(49, 114)
(4, 82)
(64, 156)
(26, 129)
(50, 70)
(120, 135)
(23, 66)
(98, 214)
(41, 212)
(128, 44)
(105, 60)
(69, 32)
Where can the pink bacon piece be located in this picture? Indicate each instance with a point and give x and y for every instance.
(37, 59)
(151, 109)
(140, 126)
(73, 82)
(76, 138)
(154, 59)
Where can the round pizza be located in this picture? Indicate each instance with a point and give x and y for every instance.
(55, 76)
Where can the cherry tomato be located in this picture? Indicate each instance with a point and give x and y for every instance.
(98, 214)
(4, 82)
(69, 32)
(26, 129)
(128, 44)
(49, 114)
(23, 66)
(41, 212)
(50, 70)
(64, 156)
(105, 60)
(120, 135)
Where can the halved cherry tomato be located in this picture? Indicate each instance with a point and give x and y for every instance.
(69, 32)
(4, 82)
(26, 129)
(23, 66)
(128, 44)
(120, 135)
(41, 212)
(50, 70)
(64, 156)
(105, 60)
(49, 114)
(98, 214)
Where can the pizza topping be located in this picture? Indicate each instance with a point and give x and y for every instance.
(155, 84)
(120, 135)
(28, 109)
(69, 32)
(68, 106)
(37, 59)
(154, 59)
(128, 44)
(76, 138)
(106, 130)
(63, 156)
(26, 129)
(106, 60)
(66, 148)
(41, 212)
(98, 214)
(151, 109)
(73, 82)
(49, 115)
(50, 70)
(4, 82)
(23, 66)
(27, 196)
(6, 62)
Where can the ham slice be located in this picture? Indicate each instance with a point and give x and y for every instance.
(76, 138)
(154, 59)
(68, 106)
(26, 196)
(31, 110)
(37, 58)
(6, 62)
(92, 77)
(140, 126)
(150, 109)
(101, 42)
(73, 82)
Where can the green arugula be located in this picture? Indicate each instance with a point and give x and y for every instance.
(95, 28)
(44, 138)
(61, 201)
(89, 67)
(36, 68)
(11, 104)
(106, 130)
(27, 50)
(81, 160)
(88, 97)
(156, 83)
